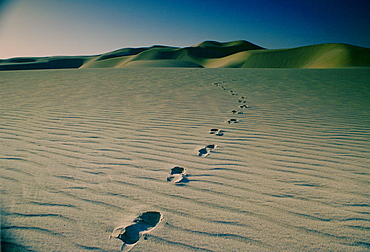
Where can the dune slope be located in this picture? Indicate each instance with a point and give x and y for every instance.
(43, 63)
(316, 56)
(208, 54)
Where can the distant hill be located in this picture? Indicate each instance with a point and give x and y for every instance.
(208, 54)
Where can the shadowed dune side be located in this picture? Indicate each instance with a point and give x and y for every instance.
(112, 59)
(241, 54)
(229, 47)
(121, 52)
(195, 56)
(208, 54)
(42, 63)
(213, 49)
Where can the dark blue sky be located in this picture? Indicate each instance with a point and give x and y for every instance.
(85, 27)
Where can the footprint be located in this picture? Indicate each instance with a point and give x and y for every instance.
(177, 175)
(211, 146)
(142, 225)
(217, 132)
(206, 150)
(237, 112)
(232, 121)
(203, 152)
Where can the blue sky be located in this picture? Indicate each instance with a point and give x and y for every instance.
(87, 27)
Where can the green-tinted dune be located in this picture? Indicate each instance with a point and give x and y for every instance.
(42, 63)
(315, 56)
(208, 54)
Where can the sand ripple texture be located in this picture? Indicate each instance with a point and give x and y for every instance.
(84, 151)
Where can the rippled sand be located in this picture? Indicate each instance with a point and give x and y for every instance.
(86, 151)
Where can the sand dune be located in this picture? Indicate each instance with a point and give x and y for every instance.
(275, 159)
(317, 56)
(208, 54)
(42, 63)
(160, 63)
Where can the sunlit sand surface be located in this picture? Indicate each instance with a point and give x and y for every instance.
(86, 151)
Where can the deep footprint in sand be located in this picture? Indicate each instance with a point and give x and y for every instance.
(206, 150)
(237, 112)
(216, 132)
(244, 106)
(142, 225)
(232, 121)
(177, 175)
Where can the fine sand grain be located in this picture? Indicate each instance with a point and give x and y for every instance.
(90, 151)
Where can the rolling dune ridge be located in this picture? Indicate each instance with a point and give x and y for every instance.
(208, 54)
(275, 159)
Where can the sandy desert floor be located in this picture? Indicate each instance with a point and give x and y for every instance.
(86, 151)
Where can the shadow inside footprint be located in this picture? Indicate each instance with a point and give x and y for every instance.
(143, 224)
(232, 121)
(217, 132)
(213, 131)
(206, 150)
(203, 152)
(220, 133)
(177, 170)
(177, 175)
(236, 112)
